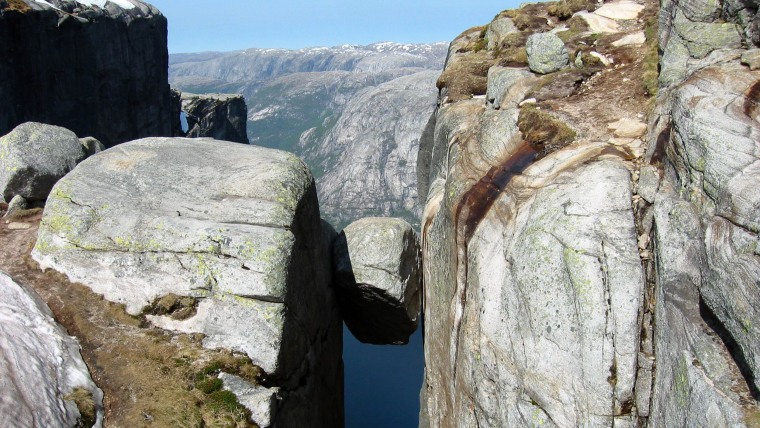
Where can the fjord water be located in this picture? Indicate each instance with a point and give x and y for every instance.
(382, 383)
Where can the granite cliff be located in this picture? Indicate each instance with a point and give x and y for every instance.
(100, 71)
(589, 232)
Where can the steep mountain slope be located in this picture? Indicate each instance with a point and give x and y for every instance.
(336, 108)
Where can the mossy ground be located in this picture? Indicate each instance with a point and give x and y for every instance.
(542, 131)
(150, 377)
(18, 5)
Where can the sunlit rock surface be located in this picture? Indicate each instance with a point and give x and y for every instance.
(233, 226)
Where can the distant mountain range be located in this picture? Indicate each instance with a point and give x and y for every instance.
(353, 113)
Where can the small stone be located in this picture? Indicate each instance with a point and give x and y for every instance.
(649, 183)
(627, 128)
(624, 9)
(643, 241)
(637, 38)
(603, 58)
(91, 145)
(751, 58)
(18, 203)
(19, 226)
(527, 101)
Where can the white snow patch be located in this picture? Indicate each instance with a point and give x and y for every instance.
(124, 4)
(47, 4)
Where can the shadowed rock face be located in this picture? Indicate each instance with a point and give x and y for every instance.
(217, 116)
(607, 281)
(235, 227)
(100, 72)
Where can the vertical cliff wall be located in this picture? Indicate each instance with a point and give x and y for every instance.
(580, 267)
(99, 72)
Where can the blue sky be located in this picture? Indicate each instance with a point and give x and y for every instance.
(196, 26)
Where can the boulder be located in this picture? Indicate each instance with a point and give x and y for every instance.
(91, 145)
(17, 204)
(546, 53)
(33, 157)
(501, 81)
(219, 116)
(498, 30)
(233, 226)
(623, 9)
(378, 274)
(45, 382)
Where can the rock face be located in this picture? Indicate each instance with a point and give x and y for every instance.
(378, 277)
(34, 156)
(98, 71)
(52, 385)
(607, 280)
(234, 227)
(218, 116)
(353, 113)
(375, 173)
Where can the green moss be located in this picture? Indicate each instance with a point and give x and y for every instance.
(209, 385)
(86, 406)
(564, 9)
(225, 401)
(543, 131)
(651, 72)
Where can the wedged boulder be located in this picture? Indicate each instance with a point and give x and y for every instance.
(234, 227)
(219, 116)
(546, 53)
(44, 380)
(506, 83)
(378, 274)
(34, 156)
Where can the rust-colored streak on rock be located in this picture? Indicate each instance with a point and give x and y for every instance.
(659, 149)
(477, 201)
(752, 99)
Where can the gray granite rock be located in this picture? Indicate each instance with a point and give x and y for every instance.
(501, 80)
(33, 157)
(91, 145)
(378, 278)
(235, 226)
(546, 53)
(18, 203)
(497, 30)
(40, 365)
(218, 116)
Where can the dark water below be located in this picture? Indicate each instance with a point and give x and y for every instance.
(382, 383)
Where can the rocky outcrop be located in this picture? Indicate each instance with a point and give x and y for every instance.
(704, 136)
(99, 71)
(44, 379)
(234, 230)
(377, 274)
(579, 268)
(218, 116)
(33, 157)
